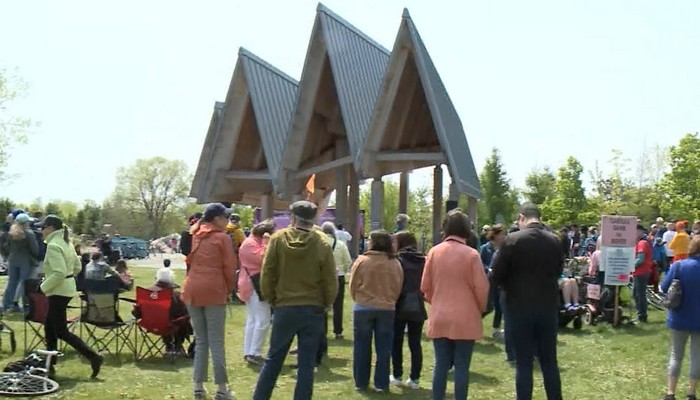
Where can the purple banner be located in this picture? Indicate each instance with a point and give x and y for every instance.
(282, 219)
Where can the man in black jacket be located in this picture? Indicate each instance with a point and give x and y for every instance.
(527, 268)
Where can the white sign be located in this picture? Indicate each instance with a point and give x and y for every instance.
(619, 263)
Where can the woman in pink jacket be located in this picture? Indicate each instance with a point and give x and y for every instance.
(250, 257)
(455, 285)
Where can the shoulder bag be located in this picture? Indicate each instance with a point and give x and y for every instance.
(255, 278)
(675, 292)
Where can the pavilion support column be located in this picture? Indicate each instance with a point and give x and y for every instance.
(353, 210)
(471, 211)
(437, 204)
(297, 197)
(377, 204)
(452, 198)
(266, 206)
(403, 193)
(341, 179)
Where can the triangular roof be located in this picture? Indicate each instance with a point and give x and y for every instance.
(446, 121)
(357, 65)
(261, 90)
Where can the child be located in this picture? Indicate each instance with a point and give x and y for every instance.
(124, 274)
(165, 271)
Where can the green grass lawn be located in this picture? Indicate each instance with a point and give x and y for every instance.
(597, 362)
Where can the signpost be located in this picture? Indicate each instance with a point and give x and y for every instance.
(619, 239)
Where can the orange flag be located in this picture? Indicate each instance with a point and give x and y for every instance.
(310, 186)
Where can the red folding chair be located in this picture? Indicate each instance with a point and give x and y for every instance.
(35, 316)
(153, 313)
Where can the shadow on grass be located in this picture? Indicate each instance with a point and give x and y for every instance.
(476, 377)
(487, 347)
(163, 364)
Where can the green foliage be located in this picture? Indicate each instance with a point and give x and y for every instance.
(569, 199)
(499, 199)
(540, 185)
(13, 129)
(151, 191)
(681, 185)
(247, 214)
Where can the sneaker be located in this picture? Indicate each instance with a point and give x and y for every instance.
(96, 364)
(691, 397)
(200, 394)
(256, 360)
(380, 391)
(227, 395)
(396, 381)
(411, 384)
(294, 351)
(339, 336)
(669, 397)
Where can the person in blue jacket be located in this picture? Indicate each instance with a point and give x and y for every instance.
(684, 320)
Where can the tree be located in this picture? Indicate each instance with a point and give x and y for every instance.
(499, 200)
(569, 199)
(681, 185)
(155, 188)
(539, 185)
(13, 129)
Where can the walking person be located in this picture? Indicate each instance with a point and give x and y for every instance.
(642, 271)
(527, 268)
(684, 321)
(410, 311)
(299, 281)
(343, 262)
(21, 252)
(258, 312)
(495, 236)
(60, 266)
(205, 290)
(454, 284)
(375, 286)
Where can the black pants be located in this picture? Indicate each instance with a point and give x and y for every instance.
(497, 310)
(415, 330)
(323, 344)
(338, 307)
(56, 328)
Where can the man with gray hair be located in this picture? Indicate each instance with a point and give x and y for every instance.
(298, 279)
(402, 221)
(343, 262)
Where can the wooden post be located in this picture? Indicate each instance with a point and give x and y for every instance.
(353, 211)
(452, 198)
(377, 204)
(403, 193)
(616, 312)
(471, 212)
(266, 206)
(437, 204)
(341, 180)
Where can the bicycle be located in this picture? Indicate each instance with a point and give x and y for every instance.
(654, 299)
(32, 380)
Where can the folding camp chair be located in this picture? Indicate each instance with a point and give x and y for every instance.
(35, 316)
(99, 317)
(153, 309)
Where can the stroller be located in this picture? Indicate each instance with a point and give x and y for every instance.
(600, 304)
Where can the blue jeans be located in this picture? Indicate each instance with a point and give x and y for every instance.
(16, 275)
(508, 335)
(445, 351)
(639, 289)
(367, 323)
(306, 323)
(535, 333)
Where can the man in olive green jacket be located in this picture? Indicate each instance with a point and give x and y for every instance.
(299, 280)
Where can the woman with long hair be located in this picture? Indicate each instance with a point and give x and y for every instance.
(258, 313)
(60, 266)
(454, 284)
(410, 311)
(375, 286)
(21, 260)
(205, 290)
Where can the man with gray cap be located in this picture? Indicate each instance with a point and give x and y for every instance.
(298, 278)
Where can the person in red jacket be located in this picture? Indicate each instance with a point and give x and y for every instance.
(642, 271)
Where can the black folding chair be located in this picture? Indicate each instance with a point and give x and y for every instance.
(104, 328)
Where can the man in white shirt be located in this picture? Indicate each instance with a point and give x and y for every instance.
(667, 237)
(343, 263)
(343, 235)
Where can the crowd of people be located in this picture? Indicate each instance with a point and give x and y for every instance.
(292, 278)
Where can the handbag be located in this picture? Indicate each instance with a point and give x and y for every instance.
(675, 292)
(410, 303)
(255, 278)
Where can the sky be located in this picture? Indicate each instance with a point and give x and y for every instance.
(112, 82)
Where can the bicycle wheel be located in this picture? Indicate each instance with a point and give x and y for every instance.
(655, 300)
(25, 384)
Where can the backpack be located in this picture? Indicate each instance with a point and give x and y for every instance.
(30, 362)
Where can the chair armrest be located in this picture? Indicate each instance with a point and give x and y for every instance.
(132, 301)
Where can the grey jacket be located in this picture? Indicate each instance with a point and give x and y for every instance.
(23, 252)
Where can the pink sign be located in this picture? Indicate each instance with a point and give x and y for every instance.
(619, 231)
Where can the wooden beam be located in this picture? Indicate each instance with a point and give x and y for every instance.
(436, 157)
(405, 107)
(246, 174)
(323, 167)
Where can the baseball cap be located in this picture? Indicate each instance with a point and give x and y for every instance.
(303, 209)
(215, 210)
